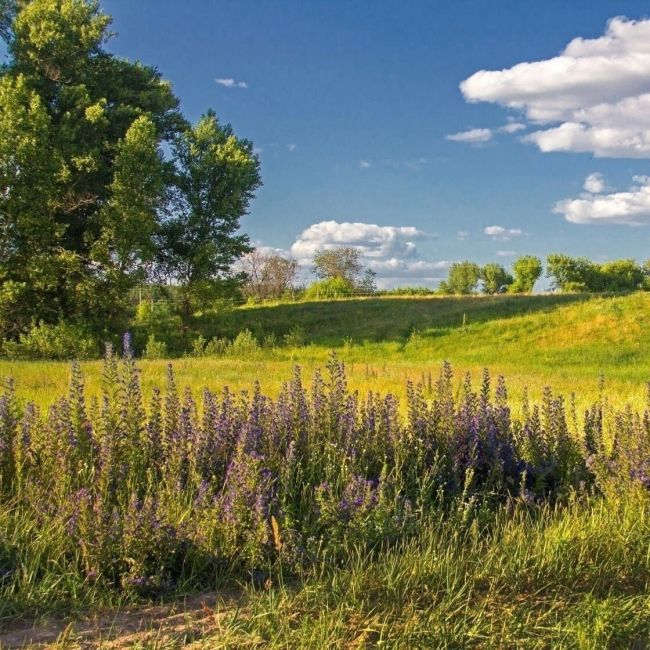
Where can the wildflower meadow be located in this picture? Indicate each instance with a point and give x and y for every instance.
(117, 497)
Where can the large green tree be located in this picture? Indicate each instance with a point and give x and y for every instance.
(81, 174)
(215, 177)
(527, 269)
(495, 279)
(462, 279)
(87, 198)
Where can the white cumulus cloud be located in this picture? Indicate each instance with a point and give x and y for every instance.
(631, 208)
(512, 127)
(595, 183)
(364, 164)
(390, 251)
(396, 268)
(472, 136)
(593, 97)
(231, 83)
(372, 240)
(499, 233)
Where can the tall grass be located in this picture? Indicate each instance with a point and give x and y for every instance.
(570, 576)
(565, 341)
(107, 499)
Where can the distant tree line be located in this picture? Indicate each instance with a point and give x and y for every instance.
(338, 272)
(566, 273)
(581, 274)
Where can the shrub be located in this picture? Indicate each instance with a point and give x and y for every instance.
(155, 349)
(60, 341)
(198, 346)
(270, 341)
(244, 345)
(216, 347)
(295, 338)
(329, 288)
(408, 291)
(158, 320)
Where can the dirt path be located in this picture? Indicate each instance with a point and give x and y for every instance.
(171, 625)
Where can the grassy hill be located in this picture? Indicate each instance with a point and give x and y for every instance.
(566, 341)
(571, 573)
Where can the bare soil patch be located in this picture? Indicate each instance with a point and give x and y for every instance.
(170, 625)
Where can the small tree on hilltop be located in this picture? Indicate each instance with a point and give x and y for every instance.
(268, 276)
(462, 279)
(570, 273)
(527, 270)
(621, 275)
(344, 264)
(495, 279)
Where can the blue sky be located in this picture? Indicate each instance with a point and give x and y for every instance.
(351, 104)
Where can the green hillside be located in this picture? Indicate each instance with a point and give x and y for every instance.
(565, 341)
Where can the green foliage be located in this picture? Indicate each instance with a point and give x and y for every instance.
(462, 278)
(129, 219)
(216, 175)
(344, 264)
(158, 320)
(88, 205)
(334, 287)
(79, 164)
(12, 295)
(155, 349)
(198, 346)
(581, 274)
(216, 347)
(55, 37)
(570, 273)
(295, 337)
(621, 275)
(527, 270)
(443, 288)
(408, 291)
(495, 279)
(244, 345)
(59, 341)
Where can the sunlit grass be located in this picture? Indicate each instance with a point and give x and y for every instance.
(569, 576)
(574, 577)
(566, 342)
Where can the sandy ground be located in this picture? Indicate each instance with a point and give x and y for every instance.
(177, 624)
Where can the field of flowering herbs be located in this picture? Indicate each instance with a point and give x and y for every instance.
(119, 498)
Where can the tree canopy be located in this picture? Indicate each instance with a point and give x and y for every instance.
(495, 278)
(344, 264)
(89, 203)
(527, 269)
(462, 279)
(581, 274)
